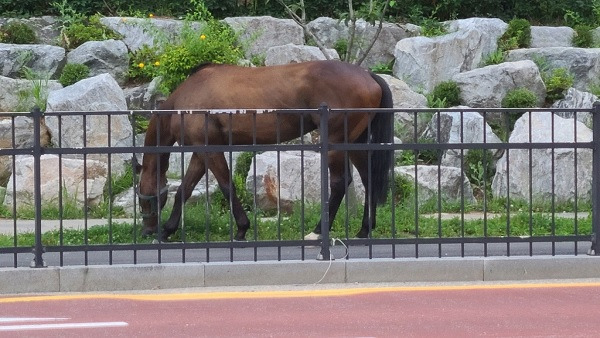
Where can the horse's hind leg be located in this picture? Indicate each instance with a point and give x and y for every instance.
(220, 169)
(338, 183)
(194, 173)
(360, 159)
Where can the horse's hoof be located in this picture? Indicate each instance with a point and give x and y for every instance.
(147, 233)
(313, 237)
(362, 234)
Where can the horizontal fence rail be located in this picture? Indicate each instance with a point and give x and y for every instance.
(465, 182)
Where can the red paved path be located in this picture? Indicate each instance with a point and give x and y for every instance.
(542, 310)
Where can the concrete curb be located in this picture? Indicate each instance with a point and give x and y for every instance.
(170, 276)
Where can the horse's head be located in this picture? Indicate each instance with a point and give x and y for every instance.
(151, 196)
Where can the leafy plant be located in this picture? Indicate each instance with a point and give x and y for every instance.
(38, 91)
(383, 68)
(341, 47)
(519, 98)
(18, 33)
(480, 170)
(72, 73)
(557, 82)
(446, 93)
(583, 37)
(495, 58)
(144, 64)
(430, 25)
(215, 43)
(403, 189)
(90, 29)
(517, 35)
(594, 88)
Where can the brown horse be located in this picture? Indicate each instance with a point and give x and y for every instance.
(301, 85)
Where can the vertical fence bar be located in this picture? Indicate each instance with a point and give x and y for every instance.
(38, 250)
(324, 134)
(595, 249)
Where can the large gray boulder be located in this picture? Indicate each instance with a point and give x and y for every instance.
(460, 128)
(286, 188)
(17, 94)
(576, 99)
(491, 27)
(137, 32)
(44, 60)
(258, 34)
(403, 95)
(546, 36)
(423, 62)
(144, 97)
(582, 63)
(46, 28)
(432, 181)
(108, 56)
(290, 53)
(332, 31)
(486, 87)
(98, 93)
(550, 173)
(80, 183)
(17, 133)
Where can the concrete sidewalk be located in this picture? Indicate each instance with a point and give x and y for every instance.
(129, 277)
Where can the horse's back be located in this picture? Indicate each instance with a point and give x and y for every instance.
(300, 85)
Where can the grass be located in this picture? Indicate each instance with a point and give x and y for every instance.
(521, 220)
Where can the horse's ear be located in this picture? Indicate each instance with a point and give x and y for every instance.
(137, 167)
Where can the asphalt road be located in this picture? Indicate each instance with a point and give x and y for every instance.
(498, 310)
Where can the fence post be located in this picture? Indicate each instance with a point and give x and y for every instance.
(595, 249)
(38, 249)
(324, 137)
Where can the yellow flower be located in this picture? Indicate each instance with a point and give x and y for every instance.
(202, 37)
(157, 63)
(141, 65)
(124, 19)
(151, 15)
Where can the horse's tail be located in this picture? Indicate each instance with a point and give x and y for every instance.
(381, 131)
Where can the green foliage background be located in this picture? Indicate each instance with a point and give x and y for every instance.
(538, 12)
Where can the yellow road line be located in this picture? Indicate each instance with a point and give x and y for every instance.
(287, 293)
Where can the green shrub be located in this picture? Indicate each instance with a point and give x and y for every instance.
(91, 29)
(517, 35)
(341, 47)
(583, 37)
(216, 43)
(144, 64)
(495, 58)
(403, 189)
(519, 98)
(17, 32)
(446, 92)
(72, 73)
(557, 82)
(480, 170)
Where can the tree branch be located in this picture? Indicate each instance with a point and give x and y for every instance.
(379, 28)
(302, 22)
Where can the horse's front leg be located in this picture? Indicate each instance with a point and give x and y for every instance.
(194, 173)
(220, 170)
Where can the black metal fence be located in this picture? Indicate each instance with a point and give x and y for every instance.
(487, 214)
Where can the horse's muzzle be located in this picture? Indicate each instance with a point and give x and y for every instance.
(153, 200)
